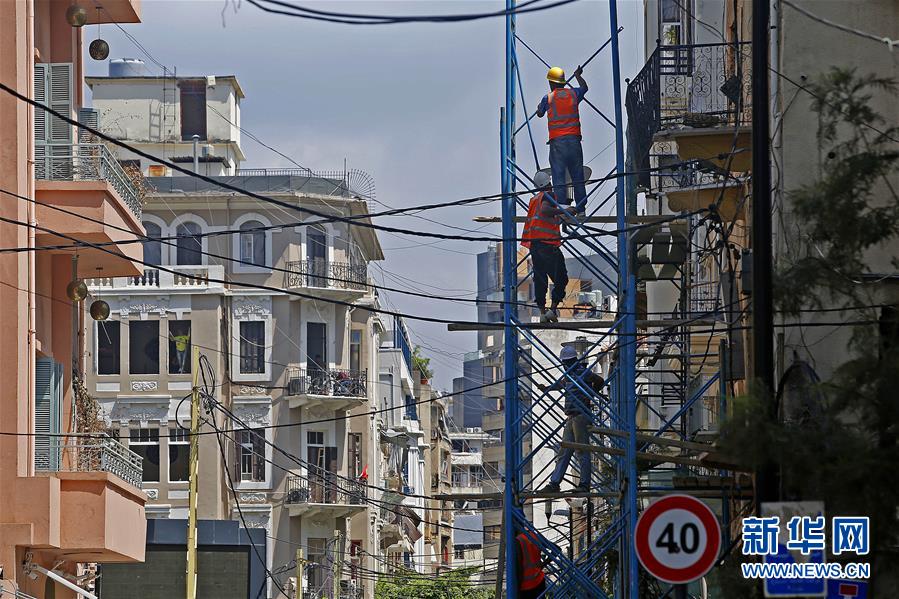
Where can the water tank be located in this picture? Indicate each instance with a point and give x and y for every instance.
(127, 67)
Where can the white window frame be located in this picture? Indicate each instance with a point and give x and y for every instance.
(240, 267)
(168, 460)
(96, 348)
(138, 426)
(254, 403)
(264, 316)
(204, 241)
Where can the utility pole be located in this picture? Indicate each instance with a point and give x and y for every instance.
(193, 469)
(336, 563)
(762, 305)
(298, 590)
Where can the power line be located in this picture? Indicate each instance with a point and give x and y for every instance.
(890, 43)
(294, 10)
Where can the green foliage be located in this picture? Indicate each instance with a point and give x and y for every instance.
(455, 584)
(852, 206)
(843, 454)
(422, 363)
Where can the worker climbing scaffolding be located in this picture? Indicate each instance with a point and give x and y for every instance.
(566, 155)
(543, 237)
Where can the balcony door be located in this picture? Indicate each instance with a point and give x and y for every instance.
(317, 358)
(317, 256)
(323, 471)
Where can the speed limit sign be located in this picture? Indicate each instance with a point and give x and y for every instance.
(677, 539)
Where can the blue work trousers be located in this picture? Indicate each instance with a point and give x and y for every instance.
(567, 157)
(575, 432)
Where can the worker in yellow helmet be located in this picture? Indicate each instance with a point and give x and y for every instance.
(566, 156)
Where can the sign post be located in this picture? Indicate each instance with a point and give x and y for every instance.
(677, 540)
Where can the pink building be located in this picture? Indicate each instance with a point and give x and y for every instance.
(65, 498)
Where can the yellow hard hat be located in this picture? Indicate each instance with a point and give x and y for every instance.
(556, 75)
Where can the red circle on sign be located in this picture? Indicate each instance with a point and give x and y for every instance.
(706, 558)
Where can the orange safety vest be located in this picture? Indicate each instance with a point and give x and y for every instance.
(531, 571)
(563, 116)
(540, 228)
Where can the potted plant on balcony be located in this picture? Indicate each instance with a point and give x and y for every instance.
(422, 365)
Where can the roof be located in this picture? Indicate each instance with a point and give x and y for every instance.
(232, 79)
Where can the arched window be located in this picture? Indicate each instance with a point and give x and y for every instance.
(252, 243)
(190, 244)
(153, 247)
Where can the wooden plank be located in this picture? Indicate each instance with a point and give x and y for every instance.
(467, 496)
(645, 438)
(641, 455)
(587, 323)
(611, 220)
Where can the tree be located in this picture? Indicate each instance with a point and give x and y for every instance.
(421, 363)
(455, 584)
(840, 446)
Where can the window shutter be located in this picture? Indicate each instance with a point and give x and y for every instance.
(91, 118)
(47, 413)
(61, 97)
(40, 121)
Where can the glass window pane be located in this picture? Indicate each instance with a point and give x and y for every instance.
(108, 347)
(252, 243)
(145, 443)
(252, 347)
(143, 346)
(179, 347)
(153, 249)
(190, 246)
(179, 455)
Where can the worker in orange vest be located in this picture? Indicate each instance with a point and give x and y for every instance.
(565, 152)
(531, 578)
(543, 237)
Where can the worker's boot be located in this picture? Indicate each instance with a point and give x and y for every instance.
(546, 315)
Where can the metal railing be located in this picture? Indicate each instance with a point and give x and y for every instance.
(327, 275)
(322, 486)
(349, 182)
(332, 382)
(705, 297)
(698, 85)
(95, 453)
(87, 162)
(680, 175)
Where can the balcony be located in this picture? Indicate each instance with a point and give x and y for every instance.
(90, 487)
(696, 185)
(325, 494)
(697, 95)
(95, 454)
(185, 279)
(86, 180)
(333, 280)
(331, 388)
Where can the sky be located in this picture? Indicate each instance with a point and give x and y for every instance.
(416, 106)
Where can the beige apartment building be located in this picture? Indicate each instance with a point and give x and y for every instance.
(275, 301)
(70, 494)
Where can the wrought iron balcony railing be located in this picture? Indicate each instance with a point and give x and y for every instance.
(699, 85)
(93, 453)
(327, 275)
(327, 381)
(322, 486)
(86, 162)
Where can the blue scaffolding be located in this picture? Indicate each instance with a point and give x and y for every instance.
(569, 575)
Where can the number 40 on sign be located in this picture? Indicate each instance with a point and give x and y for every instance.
(677, 539)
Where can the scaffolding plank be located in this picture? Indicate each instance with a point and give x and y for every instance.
(641, 455)
(611, 220)
(646, 438)
(587, 323)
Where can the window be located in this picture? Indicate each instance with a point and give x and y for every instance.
(143, 346)
(179, 347)
(145, 443)
(354, 448)
(179, 455)
(674, 23)
(252, 244)
(189, 244)
(316, 348)
(153, 248)
(317, 571)
(252, 347)
(251, 448)
(193, 109)
(317, 256)
(356, 350)
(109, 345)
